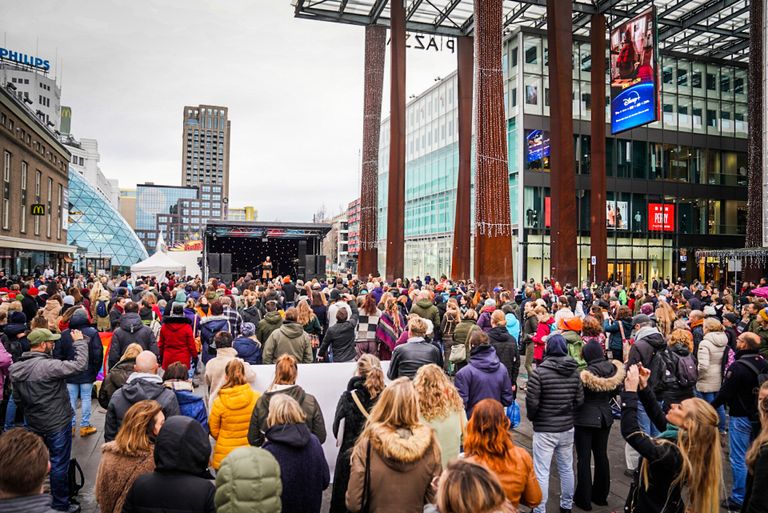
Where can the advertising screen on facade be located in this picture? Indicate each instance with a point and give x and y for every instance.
(617, 215)
(634, 73)
(661, 217)
(538, 145)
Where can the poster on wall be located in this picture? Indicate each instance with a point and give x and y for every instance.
(538, 145)
(661, 217)
(616, 215)
(634, 73)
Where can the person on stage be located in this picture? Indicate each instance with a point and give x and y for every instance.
(266, 269)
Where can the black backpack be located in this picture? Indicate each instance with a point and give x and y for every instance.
(76, 479)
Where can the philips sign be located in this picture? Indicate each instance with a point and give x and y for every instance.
(24, 59)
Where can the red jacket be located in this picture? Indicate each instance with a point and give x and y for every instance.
(176, 342)
(544, 329)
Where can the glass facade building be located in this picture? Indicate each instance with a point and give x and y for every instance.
(97, 228)
(152, 200)
(689, 165)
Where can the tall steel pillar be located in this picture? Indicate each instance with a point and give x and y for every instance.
(598, 232)
(396, 192)
(375, 50)
(755, 220)
(462, 230)
(493, 227)
(563, 250)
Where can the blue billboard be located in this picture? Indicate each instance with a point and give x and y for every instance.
(634, 73)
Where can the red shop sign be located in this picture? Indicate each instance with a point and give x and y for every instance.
(661, 217)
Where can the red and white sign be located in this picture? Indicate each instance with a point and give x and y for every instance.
(661, 217)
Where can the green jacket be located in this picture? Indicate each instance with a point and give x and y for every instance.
(461, 332)
(575, 343)
(426, 310)
(267, 325)
(763, 334)
(289, 338)
(248, 482)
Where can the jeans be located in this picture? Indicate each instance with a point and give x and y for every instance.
(645, 422)
(83, 391)
(60, 450)
(592, 441)
(561, 444)
(709, 397)
(739, 436)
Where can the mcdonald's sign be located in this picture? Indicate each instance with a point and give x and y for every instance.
(38, 209)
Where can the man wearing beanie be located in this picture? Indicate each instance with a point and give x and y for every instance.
(39, 385)
(554, 393)
(593, 424)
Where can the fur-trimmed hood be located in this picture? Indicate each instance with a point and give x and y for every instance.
(604, 384)
(403, 448)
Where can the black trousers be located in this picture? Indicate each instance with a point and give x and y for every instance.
(592, 442)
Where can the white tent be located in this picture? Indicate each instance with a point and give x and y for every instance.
(157, 265)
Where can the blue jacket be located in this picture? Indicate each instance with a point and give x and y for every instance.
(484, 378)
(248, 349)
(513, 326)
(66, 349)
(612, 329)
(192, 406)
(209, 326)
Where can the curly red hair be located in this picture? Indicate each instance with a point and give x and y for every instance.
(487, 437)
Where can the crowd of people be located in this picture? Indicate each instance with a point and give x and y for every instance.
(683, 366)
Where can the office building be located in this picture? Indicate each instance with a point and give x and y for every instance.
(34, 86)
(246, 213)
(33, 203)
(85, 160)
(335, 245)
(126, 205)
(689, 166)
(154, 202)
(205, 150)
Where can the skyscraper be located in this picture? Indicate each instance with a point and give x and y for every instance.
(205, 153)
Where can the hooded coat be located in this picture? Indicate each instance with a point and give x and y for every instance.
(176, 342)
(290, 339)
(710, 361)
(229, 420)
(179, 482)
(543, 329)
(601, 380)
(131, 330)
(308, 403)
(248, 350)
(648, 341)
(190, 404)
(116, 474)
(484, 378)
(506, 349)
(341, 338)
(248, 482)
(270, 322)
(403, 463)
(303, 470)
(425, 309)
(554, 390)
(65, 346)
(139, 387)
(51, 312)
(209, 326)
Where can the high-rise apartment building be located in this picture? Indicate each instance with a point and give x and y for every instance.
(205, 152)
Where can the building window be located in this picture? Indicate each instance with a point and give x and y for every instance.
(60, 205)
(6, 191)
(38, 181)
(23, 218)
(48, 206)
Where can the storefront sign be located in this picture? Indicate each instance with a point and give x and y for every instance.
(23, 58)
(634, 73)
(38, 209)
(428, 42)
(661, 217)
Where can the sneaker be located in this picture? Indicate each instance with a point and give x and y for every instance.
(731, 505)
(87, 431)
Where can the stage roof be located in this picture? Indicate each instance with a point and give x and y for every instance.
(223, 228)
(706, 28)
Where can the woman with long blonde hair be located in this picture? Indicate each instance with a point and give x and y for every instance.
(683, 461)
(441, 408)
(400, 454)
(128, 456)
(489, 442)
(665, 318)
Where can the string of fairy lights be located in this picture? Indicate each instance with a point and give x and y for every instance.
(492, 209)
(375, 50)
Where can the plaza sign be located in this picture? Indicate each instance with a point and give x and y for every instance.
(24, 59)
(427, 42)
(661, 217)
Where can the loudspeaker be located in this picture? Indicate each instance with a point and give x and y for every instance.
(226, 263)
(214, 263)
(320, 265)
(302, 250)
(310, 265)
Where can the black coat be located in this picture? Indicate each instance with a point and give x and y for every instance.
(30, 307)
(600, 379)
(756, 496)
(554, 393)
(739, 384)
(341, 338)
(663, 459)
(178, 483)
(506, 349)
(95, 349)
(409, 357)
(252, 315)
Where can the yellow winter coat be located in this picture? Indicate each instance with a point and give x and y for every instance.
(229, 420)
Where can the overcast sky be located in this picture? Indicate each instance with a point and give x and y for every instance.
(294, 89)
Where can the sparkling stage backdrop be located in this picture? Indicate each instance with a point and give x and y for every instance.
(248, 253)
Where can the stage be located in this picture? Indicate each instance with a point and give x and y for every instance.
(233, 248)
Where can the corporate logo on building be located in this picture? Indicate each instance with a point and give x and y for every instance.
(24, 59)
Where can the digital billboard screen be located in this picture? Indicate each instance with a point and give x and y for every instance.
(538, 145)
(634, 73)
(616, 215)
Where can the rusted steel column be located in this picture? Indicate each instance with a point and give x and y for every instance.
(396, 193)
(462, 231)
(563, 250)
(375, 49)
(598, 231)
(493, 227)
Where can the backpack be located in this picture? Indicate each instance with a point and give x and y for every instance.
(687, 371)
(76, 479)
(101, 309)
(155, 326)
(14, 347)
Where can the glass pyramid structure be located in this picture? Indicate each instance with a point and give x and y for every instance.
(94, 224)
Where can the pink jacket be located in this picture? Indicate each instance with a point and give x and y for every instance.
(5, 363)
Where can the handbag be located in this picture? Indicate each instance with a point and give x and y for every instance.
(513, 414)
(459, 351)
